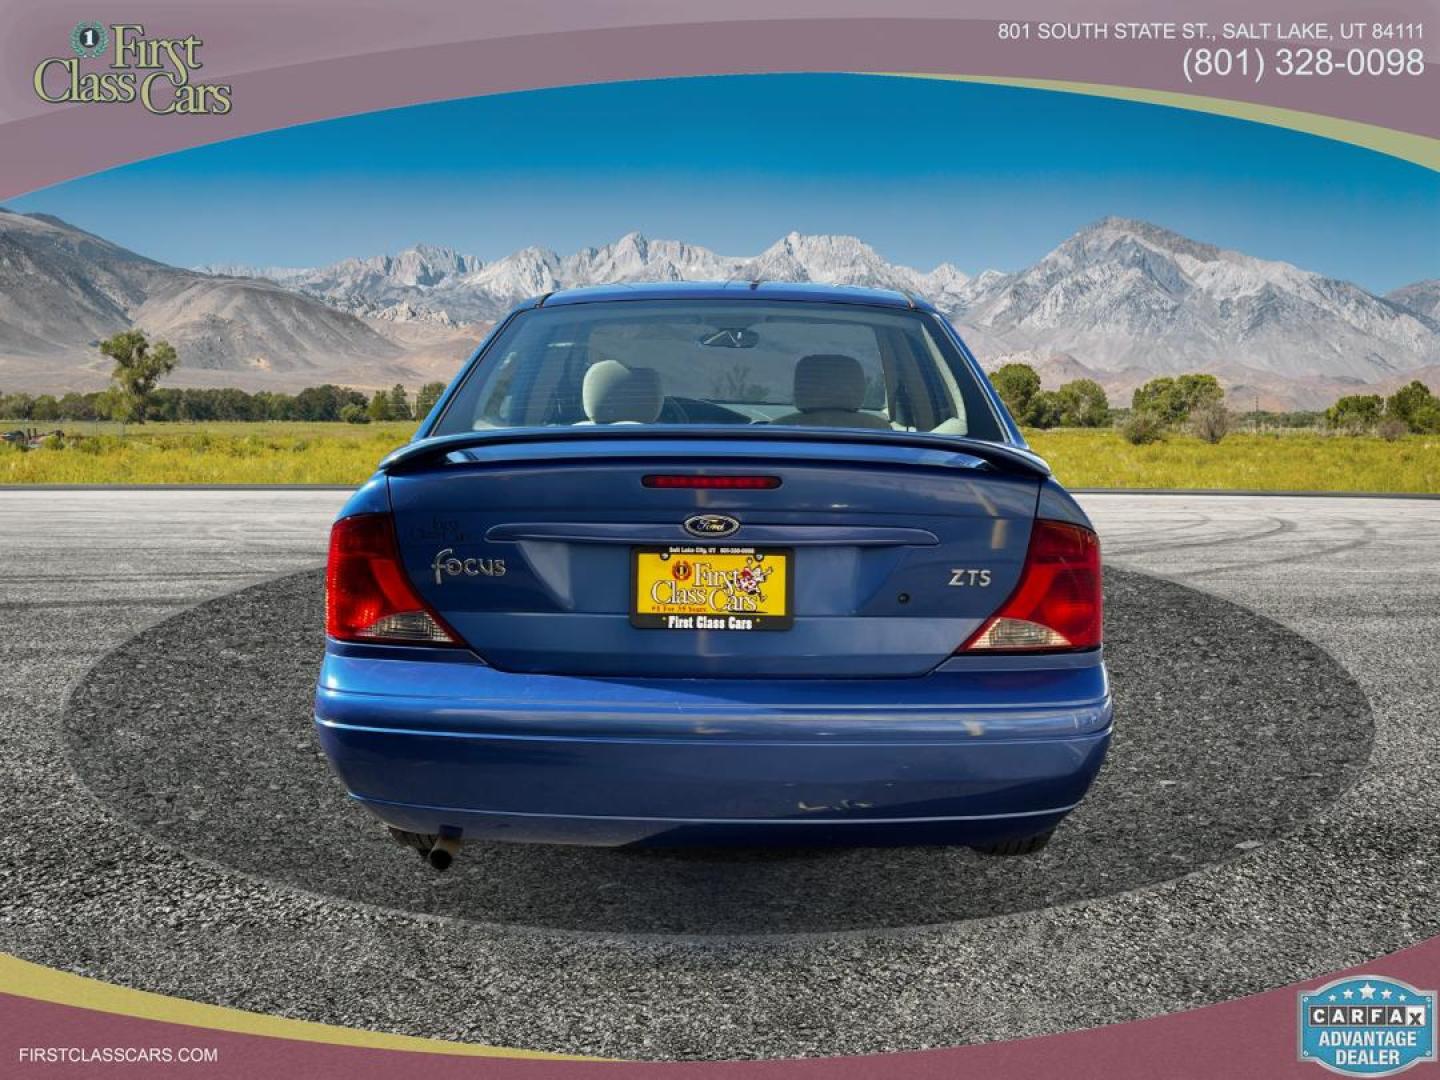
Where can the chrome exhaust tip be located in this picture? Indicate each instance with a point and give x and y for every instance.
(442, 853)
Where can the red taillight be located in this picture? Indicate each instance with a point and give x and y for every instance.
(367, 595)
(732, 483)
(1057, 604)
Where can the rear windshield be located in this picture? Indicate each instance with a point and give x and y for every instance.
(723, 362)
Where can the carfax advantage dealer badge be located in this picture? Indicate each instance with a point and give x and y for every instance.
(1367, 1025)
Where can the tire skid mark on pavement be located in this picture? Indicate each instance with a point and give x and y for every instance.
(1274, 527)
(1367, 536)
(1123, 541)
(1183, 525)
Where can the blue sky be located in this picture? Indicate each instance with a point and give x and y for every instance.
(925, 171)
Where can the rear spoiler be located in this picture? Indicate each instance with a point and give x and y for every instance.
(1004, 458)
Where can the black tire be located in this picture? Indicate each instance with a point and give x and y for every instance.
(1024, 845)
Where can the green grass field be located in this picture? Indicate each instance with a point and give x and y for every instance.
(1282, 461)
(314, 453)
(210, 453)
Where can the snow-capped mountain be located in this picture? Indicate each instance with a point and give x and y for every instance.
(1124, 293)
(370, 279)
(281, 274)
(1119, 295)
(434, 279)
(1422, 298)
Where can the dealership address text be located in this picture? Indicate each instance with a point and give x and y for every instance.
(1253, 50)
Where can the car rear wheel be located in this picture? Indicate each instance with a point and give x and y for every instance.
(1025, 845)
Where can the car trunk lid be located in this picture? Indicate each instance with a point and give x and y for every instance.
(875, 557)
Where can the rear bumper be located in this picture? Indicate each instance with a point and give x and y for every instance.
(970, 753)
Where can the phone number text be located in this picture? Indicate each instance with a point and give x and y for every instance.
(1250, 62)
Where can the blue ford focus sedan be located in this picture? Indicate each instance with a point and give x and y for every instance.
(731, 563)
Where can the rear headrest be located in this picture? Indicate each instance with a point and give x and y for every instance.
(829, 381)
(613, 393)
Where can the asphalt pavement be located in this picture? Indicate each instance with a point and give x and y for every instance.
(1306, 840)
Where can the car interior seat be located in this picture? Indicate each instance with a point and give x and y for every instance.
(615, 394)
(829, 390)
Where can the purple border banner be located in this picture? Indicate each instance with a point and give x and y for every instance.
(282, 64)
(1250, 1038)
(287, 64)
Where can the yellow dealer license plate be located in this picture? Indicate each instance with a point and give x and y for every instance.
(704, 587)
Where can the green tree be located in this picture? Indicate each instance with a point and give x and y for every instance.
(139, 365)
(426, 397)
(1427, 418)
(75, 406)
(1355, 412)
(325, 402)
(111, 405)
(16, 406)
(1156, 397)
(314, 402)
(46, 409)
(1142, 427)
(1017, 385)
(355, 414)
(270, 405)
(1413, 405)
(168, 404)
(1044, 410)
(1172, 400)
(399, 403)
(380, 406)
(1083, 404)
(1199, 392)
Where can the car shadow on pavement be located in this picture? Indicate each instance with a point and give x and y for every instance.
(1230, 729)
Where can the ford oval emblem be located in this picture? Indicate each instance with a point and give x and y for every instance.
(711, 525)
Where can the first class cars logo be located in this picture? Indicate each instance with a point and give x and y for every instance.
(1367, 1025)
(158, 72)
